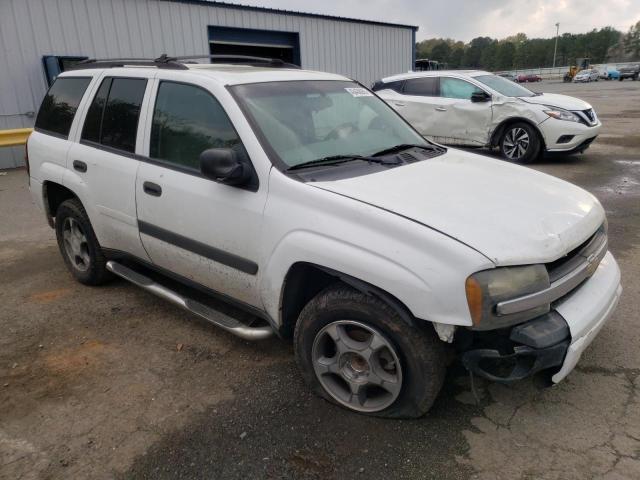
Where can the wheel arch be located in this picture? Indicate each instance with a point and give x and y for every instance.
(498, 131)
(304, 280)
(53, 195)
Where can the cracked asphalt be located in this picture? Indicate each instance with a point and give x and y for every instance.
(112, 383)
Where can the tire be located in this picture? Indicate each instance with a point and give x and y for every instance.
(411, 359)
(533, 145)
(78, 244)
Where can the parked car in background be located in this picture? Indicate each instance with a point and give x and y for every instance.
(629, 71)
(586, 76)
(476, 108)
(609, 73)
(509, 76)
(302, 198)
(528, 77)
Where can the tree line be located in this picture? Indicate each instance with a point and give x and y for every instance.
(518, 51)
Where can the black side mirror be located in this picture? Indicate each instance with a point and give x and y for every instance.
(480, 97)
(224, 166)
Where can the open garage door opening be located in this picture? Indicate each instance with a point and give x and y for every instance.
(255, 43)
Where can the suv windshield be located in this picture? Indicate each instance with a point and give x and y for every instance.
(309, 120)
(504, 86)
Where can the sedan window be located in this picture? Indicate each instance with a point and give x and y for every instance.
(425, 87)
(456, 88)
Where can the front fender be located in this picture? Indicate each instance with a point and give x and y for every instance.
(337, 255)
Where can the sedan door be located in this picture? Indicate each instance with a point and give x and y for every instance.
(417, 101)
(191, 226)
(459, 120)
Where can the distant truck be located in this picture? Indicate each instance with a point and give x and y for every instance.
(630, 71)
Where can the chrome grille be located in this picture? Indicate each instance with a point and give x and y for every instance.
(565, 275)
(588, 117)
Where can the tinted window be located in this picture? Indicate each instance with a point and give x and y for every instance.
(60, 104)
(427, 86)
(121, 113)
(396, 86)
(93, 120)
(186, 121)
(456, 88)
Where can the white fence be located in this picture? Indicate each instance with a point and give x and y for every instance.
(558, 72)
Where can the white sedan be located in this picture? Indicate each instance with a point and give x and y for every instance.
(586, 76)
(477, 108)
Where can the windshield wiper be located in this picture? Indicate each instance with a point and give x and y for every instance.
(338, 159)
(404, 146)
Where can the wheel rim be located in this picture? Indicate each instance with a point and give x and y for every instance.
(516, 143)
(76, 244)
(357, 366)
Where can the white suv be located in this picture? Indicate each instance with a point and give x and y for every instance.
(479, 109)
(302, 198)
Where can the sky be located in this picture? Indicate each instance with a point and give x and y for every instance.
(467, 19)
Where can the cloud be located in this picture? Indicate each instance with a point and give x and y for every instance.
(466, 19)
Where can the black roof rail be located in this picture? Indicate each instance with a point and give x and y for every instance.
(179, 63)
(163, 61)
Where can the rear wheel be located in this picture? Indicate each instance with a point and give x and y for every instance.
(356, 351)
(520, 143)
(78, 244)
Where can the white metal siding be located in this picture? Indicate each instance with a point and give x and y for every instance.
(30, 29)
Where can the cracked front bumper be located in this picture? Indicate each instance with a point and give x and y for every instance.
(554, 341)
(587, 309)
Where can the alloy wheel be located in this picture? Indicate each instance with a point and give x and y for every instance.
(357, 366)
(76, 244)
(516, 143)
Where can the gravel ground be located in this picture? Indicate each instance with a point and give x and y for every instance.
(112, 383)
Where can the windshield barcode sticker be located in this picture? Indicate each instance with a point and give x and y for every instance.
(359, 92)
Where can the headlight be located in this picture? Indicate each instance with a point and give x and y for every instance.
(488, 288)
(561, 114)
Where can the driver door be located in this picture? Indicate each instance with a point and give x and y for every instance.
(458, 120)
(201, 230)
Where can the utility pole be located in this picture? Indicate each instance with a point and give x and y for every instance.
(555, 49)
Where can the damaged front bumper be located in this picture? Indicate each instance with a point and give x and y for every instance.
(554, 341)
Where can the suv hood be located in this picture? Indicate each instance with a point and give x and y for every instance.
(513, 215)
(557, 100)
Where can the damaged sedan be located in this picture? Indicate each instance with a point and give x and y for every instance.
(478, 109)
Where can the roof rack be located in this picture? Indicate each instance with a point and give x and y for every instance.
(179, 63)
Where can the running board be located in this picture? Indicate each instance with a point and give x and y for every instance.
(218, 319)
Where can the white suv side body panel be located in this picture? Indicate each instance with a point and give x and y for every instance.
(421, 267)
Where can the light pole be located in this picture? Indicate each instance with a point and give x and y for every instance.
(555, 49)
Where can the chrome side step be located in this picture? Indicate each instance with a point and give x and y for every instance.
(218, 319)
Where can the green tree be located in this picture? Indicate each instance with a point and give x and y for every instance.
(632, 41)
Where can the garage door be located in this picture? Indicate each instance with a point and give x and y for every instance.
(257, 43)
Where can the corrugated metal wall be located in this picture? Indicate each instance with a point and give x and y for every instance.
(30, 29)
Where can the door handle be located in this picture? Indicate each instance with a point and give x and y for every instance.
(399, 104)
(151, 188)
(79, 166)
(441, 109)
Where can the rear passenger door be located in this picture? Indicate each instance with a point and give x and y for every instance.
(203, 231)
(103, 162)
(418, 102)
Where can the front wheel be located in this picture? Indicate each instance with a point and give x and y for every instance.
(356, 351)
(520, 143)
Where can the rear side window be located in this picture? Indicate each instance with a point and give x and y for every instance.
(186, 121)
(456, 88)
(395, 86)
(424, 87)
(112, 119)
(60, 104)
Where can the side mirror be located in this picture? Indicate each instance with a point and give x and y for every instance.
(480, 97)
(223, 165)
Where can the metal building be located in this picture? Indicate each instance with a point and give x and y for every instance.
(39, 38)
